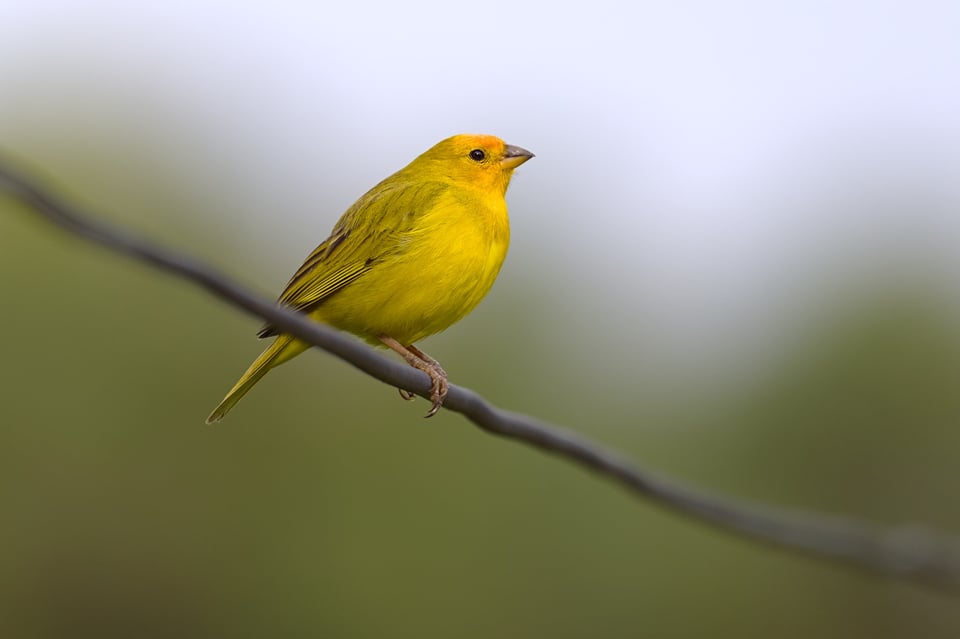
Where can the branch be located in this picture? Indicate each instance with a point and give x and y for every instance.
(908, 552)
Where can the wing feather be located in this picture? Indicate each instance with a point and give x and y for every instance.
(373, 228)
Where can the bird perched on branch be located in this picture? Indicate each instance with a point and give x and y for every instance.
(412, 256)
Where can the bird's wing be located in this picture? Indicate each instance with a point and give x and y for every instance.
(373, 228)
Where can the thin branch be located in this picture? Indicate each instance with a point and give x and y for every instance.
(909, 552)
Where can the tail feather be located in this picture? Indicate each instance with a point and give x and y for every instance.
(283, 348)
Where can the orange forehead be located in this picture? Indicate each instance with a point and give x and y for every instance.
(489, 142)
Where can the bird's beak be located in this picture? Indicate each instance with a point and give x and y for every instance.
(514, 156)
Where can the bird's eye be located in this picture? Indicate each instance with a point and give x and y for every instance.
(477, 155)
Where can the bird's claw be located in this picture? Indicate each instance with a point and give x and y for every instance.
(438, 390)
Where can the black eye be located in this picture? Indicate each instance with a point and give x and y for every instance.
(477, 155)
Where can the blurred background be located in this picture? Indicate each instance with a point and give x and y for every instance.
(735, 258)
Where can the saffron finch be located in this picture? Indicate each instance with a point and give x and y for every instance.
(412, 256)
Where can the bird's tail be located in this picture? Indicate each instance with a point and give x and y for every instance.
(284, 348)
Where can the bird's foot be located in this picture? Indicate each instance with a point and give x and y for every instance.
(438, 391)
(421, 361)
(439, 388)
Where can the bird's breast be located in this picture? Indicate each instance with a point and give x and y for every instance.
(441, 269)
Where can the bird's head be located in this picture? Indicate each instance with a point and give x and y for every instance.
(481, 161)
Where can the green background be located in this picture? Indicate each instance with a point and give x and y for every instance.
(327, 506)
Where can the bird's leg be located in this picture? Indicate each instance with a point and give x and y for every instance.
(429, 360)
(419, 360)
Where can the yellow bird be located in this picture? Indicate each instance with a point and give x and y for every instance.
(412, 256)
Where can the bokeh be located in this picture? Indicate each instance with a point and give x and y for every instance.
(734, 258)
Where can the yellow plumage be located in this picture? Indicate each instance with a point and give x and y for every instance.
(412, 256)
